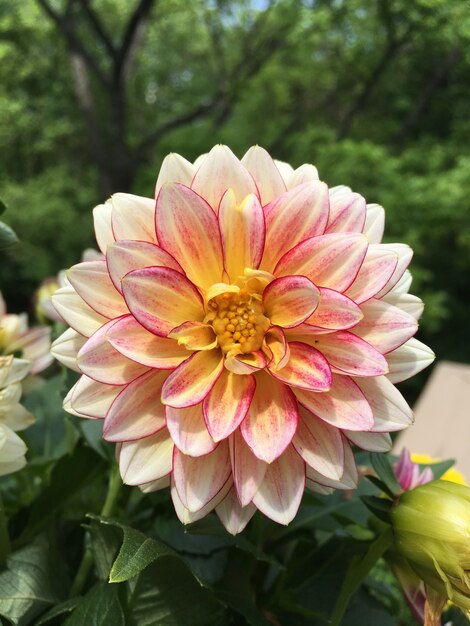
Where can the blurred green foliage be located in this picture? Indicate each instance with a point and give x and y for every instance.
(374, 92)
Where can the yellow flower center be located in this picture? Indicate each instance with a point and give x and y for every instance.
(238, 321)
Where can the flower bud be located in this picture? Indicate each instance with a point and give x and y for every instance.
(432, 531)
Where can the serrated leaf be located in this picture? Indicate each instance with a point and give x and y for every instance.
(7, 236)
(381, 464)
(100, 607)
(106, 541)
(60, 609)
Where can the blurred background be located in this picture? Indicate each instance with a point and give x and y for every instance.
(375, 93)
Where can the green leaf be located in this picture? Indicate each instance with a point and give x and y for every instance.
(7, 236)
(3, 207)
(106, 541)
(439, 469)
(60, 609)
(380, 507)
(381, 464)
(367, 611)
(30, 584)
(100, 607)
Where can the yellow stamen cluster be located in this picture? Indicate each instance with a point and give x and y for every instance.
(238, 321)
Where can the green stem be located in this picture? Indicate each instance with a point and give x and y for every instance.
(86, 563)
(4, 537)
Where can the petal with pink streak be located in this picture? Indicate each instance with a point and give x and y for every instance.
(407, 360)
(348, 480)
(76, 312)
(98, 359)
(296, 215)
(343, 406)
(161, 298)
(406, 302)
(137, 411)
(190, 383)
(194, 336)
(188, 430)
(290, 300)
(331, 261)
(404, 254)
(66, 347)
(138, 344)
(306, 368)
(146, 459)
(348, 354)
(188, 517)
(102, 225)
(248, 470)
(375, 223)
(175, 169)
(233, 516)
(281, 491)
(199, 479)
(92, 282)
(187, 228)
(335, 311)
(221, 170)
(93, 399)
(385, 326)
(378, 267)
(267, 177)
(374, 442)
(133, 217)
(391, 411)
(227, 404)
(245, 364)
(271, 420)
(320, 445)
(276, 348)
(347, 211)
(243, 230)
(126, 256)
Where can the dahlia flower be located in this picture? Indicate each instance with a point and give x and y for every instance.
(243, 332)
(33, 344)
(13, 416)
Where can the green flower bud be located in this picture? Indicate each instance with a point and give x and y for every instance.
(432, 531)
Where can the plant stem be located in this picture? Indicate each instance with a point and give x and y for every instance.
(86, 563)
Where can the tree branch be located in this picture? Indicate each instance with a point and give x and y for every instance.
(131, 40)
(98, 27)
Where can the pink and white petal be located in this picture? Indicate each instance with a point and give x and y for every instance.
(376, 271)
(247, 469)
(146, 460)
(285, 170)
(126, 256)
(188, 517)
(347, 211)
(404, 254)
(138, 344)
(221, 170)
(314, 487)
(98, 359)
(406, 302)
(290, 300)
(187, 228)
(245, 364)
(199, 479)
(188, 430)
(156, 485)
(161, 298)
(348, 354)
(175, 169)
(137, 411)
(402, 286)
(409, 359)
(343, 406)
(243, 231)
(348, 480)
(102, 225)
(320, 445)
(375, 223)
(266, 175)
(306, 368)
(194, 336)
(276, 348)
(227, 404)
(66, 347)
(92, 282)
(281, 491)
(391, 411)
(271, 420)
(303, 174)
(374, 442)
(335, 311)
(92, 398)
(233, 516)
(34, 344)
(385, 326)
(331, 261)
(76, 312)
(296, 215)
(133, 217)
(190, 383)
